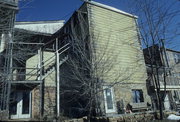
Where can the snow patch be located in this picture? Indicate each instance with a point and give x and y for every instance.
(111, 8)
(173, 117)
(43, 27)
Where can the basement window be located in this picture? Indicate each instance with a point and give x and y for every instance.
(137, 96)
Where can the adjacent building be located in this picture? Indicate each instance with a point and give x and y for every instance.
(29, 70)
(165, 65)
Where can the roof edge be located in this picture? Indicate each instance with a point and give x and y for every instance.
(172, 50)
(38, 22)
(33, 32)
(111, 8)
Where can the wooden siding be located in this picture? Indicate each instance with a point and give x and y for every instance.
(116, 41)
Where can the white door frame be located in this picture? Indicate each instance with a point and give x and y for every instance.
(105, 100)
(19, 114)
(167, 102)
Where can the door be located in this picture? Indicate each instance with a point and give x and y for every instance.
(109, 100)
(20, 106)
(167, 103)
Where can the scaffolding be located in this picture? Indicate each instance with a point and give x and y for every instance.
(8, 9)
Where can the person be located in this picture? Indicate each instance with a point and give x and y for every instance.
(149, 106)
(128, 108)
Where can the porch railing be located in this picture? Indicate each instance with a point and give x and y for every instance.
(171, 81)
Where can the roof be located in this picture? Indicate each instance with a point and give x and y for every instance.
(171, 50)
(46, 27)
(111, 8)
(99, 5)
(31, 32)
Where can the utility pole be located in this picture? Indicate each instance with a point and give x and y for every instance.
(165, 54)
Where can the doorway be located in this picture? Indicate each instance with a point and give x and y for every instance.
(20, 106)
(167, 102)
(109, 99)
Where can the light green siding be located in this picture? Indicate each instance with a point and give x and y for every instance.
(33, 63)
(116, 41)
(117, 47)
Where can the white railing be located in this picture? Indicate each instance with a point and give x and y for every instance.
(170, 80)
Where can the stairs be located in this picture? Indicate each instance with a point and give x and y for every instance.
(51, 67)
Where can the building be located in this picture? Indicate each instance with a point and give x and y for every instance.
(93, 65)
(166, 63)
(105, 69)
(173, 80)
(26, 89)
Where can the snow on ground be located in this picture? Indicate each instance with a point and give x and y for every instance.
(173, 117)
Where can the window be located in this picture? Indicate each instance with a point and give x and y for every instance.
(137, 96)
(109, 99)
(176, 96)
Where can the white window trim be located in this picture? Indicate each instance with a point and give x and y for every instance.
(112, 92)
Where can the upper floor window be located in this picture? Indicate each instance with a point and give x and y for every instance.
(137, 96)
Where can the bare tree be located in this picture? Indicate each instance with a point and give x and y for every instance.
(157, 24)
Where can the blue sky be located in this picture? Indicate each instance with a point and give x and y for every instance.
(34, 10)
(39, 10)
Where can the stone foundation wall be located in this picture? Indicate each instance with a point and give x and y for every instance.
(49, 102)
(35, 102)
(134, 117)
(4, 115)
(141, 117)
